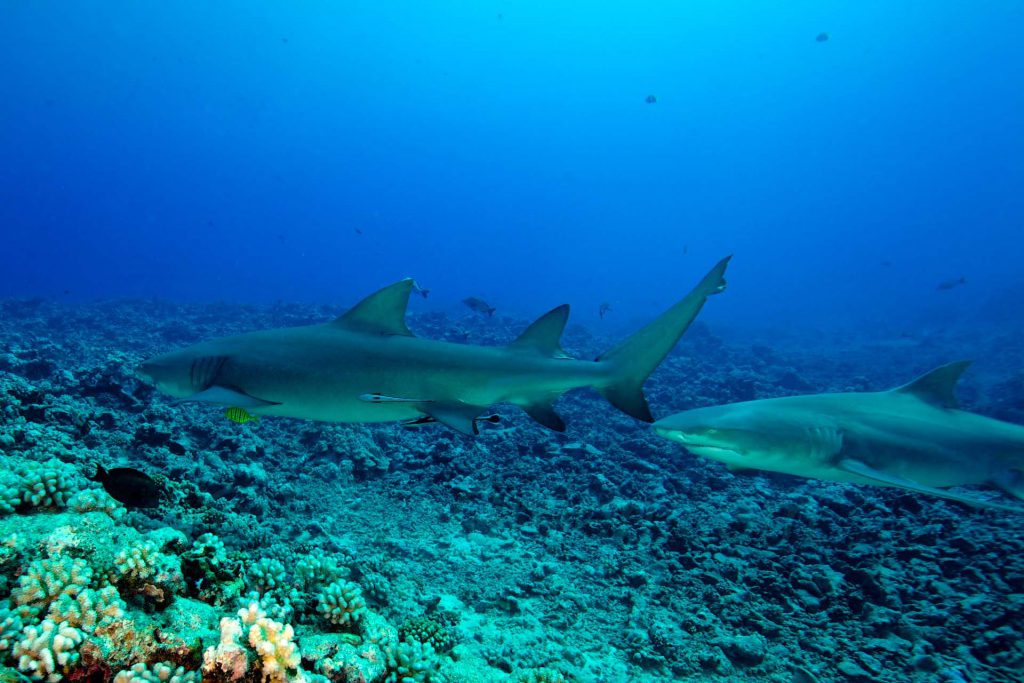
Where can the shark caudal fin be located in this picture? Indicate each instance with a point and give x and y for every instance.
(634, 359)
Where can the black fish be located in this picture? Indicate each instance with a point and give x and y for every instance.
(604, 308)
(129, 486)
(479, 305)
(821, 37)
(651, 99)
(950, 284)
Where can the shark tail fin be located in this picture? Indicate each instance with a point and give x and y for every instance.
(635, 358)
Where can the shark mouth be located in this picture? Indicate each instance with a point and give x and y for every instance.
(698, 447)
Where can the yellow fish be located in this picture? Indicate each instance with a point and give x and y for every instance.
(239, 415)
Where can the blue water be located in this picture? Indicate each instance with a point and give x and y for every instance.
(316, 151)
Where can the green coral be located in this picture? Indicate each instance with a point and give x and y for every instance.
(266, 575)
(542, 675)
(412, 662)
(432, 630)
(341, 603)
(10, 492)
(10, 629)
(316, 570)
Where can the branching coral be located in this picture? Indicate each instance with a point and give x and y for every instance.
(144, 570)
(341, 603)
(97, 501)
(163, 672)
(266, 575)
(271, 641)
(316, 570)
(46, 484)
(89, 610)
(10, 492)
(46, 580)
(48, 651)
(412, 662)
(433, 630)
(10, 629)
(541, 675)
(139, 563)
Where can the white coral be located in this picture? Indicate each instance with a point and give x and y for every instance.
(48, 651)
(90, 610)
(164, 672)
(272, 641)
(46, 580)
(46, 484)
(229, 657)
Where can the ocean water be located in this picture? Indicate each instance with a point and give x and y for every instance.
(180, 172)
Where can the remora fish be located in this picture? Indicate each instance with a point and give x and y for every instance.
(913, 437)
(366, 366)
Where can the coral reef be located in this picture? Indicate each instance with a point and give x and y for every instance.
(289, 550)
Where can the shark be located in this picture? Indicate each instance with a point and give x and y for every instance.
(914, 437)
(367, 366)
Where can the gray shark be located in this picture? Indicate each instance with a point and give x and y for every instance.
(366, 366)
(913, 437)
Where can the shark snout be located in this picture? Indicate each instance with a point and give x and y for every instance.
(146, 371)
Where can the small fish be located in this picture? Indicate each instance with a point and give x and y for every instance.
(133, 488)
(651, 99)
(479, 305)
(604, 308)
(239, 415)
(951, 283)
(821, 37)
(358, 231)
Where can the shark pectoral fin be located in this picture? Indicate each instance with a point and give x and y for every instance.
(459, 416)
(885, 479)
(544, 413)
(1011, 481)
(226, 396)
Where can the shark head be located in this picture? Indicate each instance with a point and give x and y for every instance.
(181, 374)
(753, 435)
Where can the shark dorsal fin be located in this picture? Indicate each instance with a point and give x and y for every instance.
(938, 386)
(544, 335)
(383, 312)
